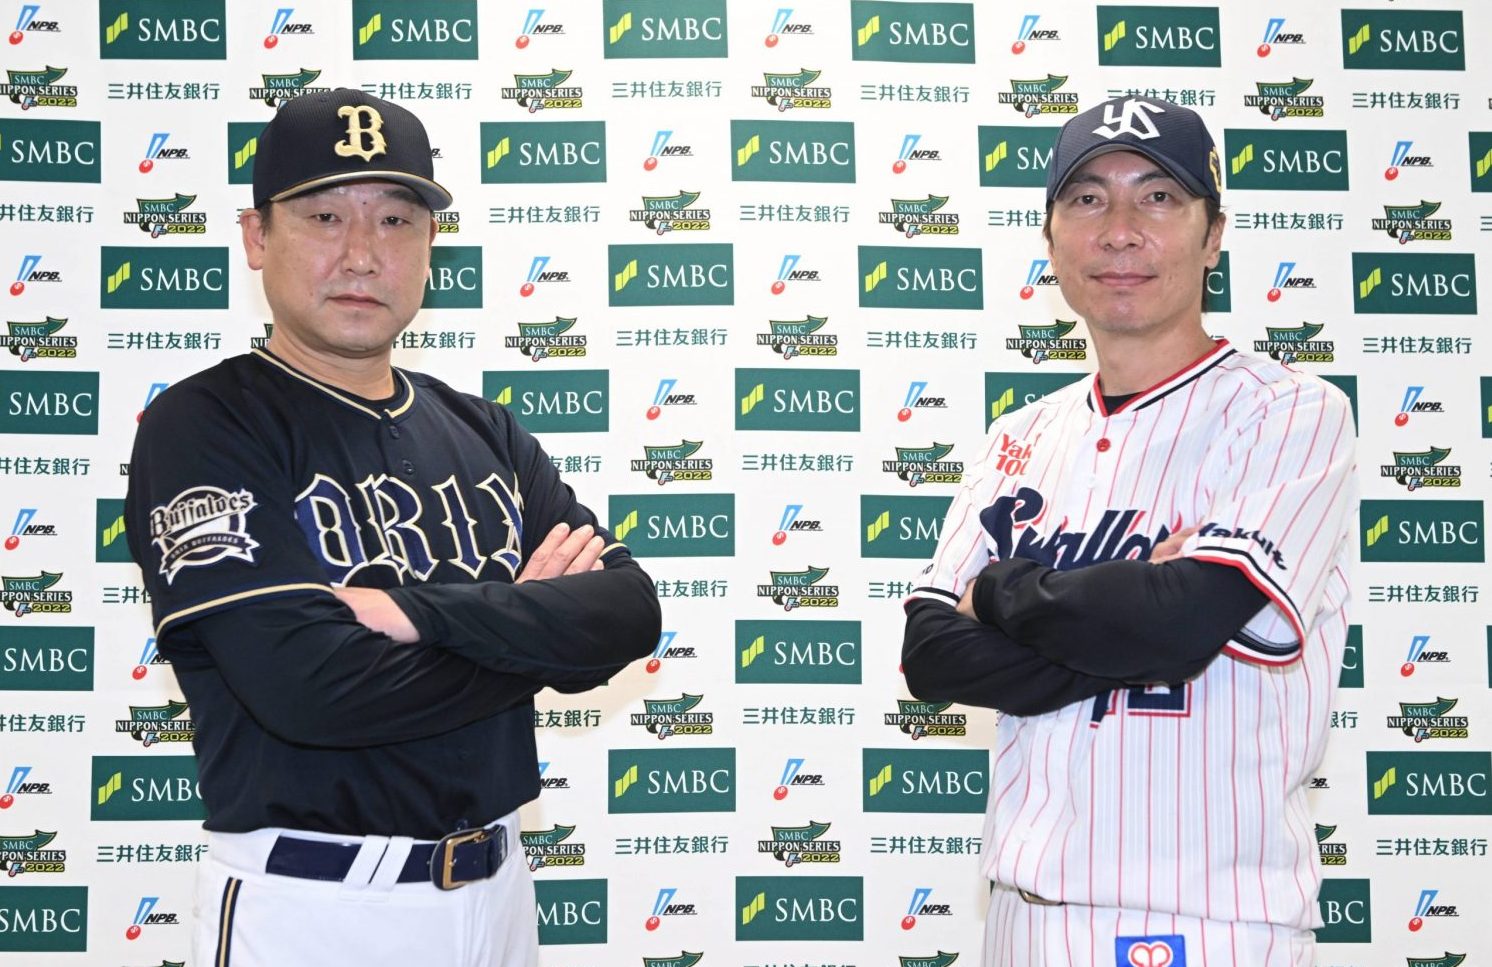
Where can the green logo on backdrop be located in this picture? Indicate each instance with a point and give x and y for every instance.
(1480, 145)
(1424, 531)
(1158, 37)
(1403, 40)
(1015, 157)
(40, 402)
(163, 278)
(701, 274)
(1414, 283)
(901, 526)
(671, 781)
(1351, 676)
(455, 278)
(924, 780)
(243, 144)
(1008, 392)
(414, 29)
(800, 908)
(1348, 385)
(1220, 286)
(44, 919)
(1277, 160)
(1429, 783)
(813, 151)
(109, 544)
(804, 399)
(145, 788)
(162, 30)
(797, 652)
(571, 911)
(675, 525)
(47, 660)
(1486, 407)
(567, 401)
(912, 33)
(543, 152)
(664, 28)
(38, 150)
(1346, 911)
(920, 278)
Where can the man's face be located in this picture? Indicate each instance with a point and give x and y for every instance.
(344, 268)
(1130, 246)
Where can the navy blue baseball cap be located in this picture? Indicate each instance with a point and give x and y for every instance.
(316, 140)
(1172, 136)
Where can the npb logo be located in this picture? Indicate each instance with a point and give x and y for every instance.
(532, 28)
(282, 27)
(1274, 34)
(1028, 32)
(788, 271)
(910, 152)
(793, 775)
(791, 522)
(1413, 404)
(1401, 158)
(667, 649)
(23, 527)
(157, 149)
(916, 400)
(18, 786)
(919, 907)
(662, 149)
(26, 21)
(783, 23)
(665, 396)
(1036, 275)
(149, 655)
(1420, 653)
(538, 275)
(1285, 278)
(663, 906)
(145, 916)
(1426, 906)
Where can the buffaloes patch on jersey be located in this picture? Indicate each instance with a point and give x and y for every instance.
(202, 526)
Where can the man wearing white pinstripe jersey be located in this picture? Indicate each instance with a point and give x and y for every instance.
(1145, 574)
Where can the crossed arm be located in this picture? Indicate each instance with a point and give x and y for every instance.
(1029, 639)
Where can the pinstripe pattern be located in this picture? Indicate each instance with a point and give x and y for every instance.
(1189, 802)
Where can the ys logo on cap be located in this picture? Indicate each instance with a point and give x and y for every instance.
(356, 132)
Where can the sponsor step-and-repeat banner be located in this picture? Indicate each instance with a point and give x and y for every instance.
(759, 277)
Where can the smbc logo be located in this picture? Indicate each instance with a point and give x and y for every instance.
(243, 145)
(797, 652)
(161, 278)
(1015, 157)
(924, 780)
(912, 33)
(108, 532)
(53, 403)
(44, 919)
(1406, 40)
(42, 150)
(1277, 160)
(162, 30)
(47, 660)
(900, 526)
(1159, 37)
(671, 275)
(543, 152)
(782, 908)
(1414, 283)
(570, 401)
(675, 525)
(571, 911)
(671, 781)
(1007, 392)
(808, 151)
(664, 28)
(1346, 911)
(1480, 145)
(931, 278)
(1429, 783)
(455, 280)
(144, 788)
(1426, 531)
(414, 30)
(816, 399)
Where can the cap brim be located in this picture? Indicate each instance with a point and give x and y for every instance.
(431, 193)
(1186, 180)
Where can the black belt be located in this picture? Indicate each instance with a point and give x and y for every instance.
(455, 860)
(1041, 901)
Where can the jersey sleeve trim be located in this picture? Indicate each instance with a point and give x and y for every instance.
(1247, 647)
(229, 600)
(937, 594)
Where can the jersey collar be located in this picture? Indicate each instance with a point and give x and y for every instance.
(395, 409)
(1191, 371)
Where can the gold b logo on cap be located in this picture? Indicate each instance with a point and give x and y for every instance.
(357, 131)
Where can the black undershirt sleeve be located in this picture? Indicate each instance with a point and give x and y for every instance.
(948, 657)
(1131, 620)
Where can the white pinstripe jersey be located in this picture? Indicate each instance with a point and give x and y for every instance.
(1192, 800)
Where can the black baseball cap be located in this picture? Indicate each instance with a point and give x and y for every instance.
(1172, 136)
(318, 140)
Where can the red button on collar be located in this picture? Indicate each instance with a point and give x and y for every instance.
(1103, 444)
